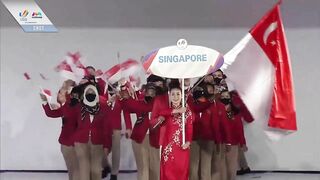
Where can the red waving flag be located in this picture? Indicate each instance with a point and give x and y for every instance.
(259, 67)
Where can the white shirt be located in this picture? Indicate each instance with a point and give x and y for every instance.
(91, 117)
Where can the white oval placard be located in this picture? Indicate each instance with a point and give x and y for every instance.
(174, 62)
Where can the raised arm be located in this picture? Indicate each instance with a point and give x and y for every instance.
(136, 106)
(52, 113)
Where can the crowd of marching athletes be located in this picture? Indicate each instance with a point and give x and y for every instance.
(92, 111)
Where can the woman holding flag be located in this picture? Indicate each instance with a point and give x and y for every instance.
(65, 111)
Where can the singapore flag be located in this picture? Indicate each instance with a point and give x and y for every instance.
(259, 69)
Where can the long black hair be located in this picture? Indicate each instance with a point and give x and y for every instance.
(174, 84)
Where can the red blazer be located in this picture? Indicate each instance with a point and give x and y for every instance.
(142, 109)
(202, 123)
(196, 127)
(102, 85)
(154, 134)
(126, 113)
(69, 123)
(100, 129)
(160, 105)
(231, 129)
(208, 121)
(115, 116)
(206, 125)
(215, 123)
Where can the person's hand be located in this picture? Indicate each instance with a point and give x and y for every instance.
(54, 106)
(244, 148)
(180, 110)
(161, 119)
(122, 81)
(124, 94)
(64, 85)
(208, 79)
(187, 82)
(128, 133)
(186, 145)
(43, 97)
(106, 151)
(112, 99)
(131, 91)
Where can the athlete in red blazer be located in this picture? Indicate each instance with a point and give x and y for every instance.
(194, 104)
(142, 110)
(247, 117)
(99, 130)
(209, 143)
(116, 110)
(69, 124)
(145, 143)
(230, 113)
(93, 137)
(233, 127)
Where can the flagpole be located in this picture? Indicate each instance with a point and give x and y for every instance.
(118, 58)
(183, 114)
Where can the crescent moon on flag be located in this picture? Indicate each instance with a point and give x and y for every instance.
(273, 26)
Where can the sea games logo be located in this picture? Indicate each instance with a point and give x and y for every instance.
(23, 15)
(182, 44)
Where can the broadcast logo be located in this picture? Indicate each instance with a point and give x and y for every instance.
(36, 15)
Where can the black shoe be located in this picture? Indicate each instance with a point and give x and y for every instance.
(244, 171)
(105, 172)
(113, 177)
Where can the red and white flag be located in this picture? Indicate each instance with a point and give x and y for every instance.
(48, 95)
(130, 67)
(135, 81)
(65, 70)
(259, 68)
(71, 67)
(124, 70)
(113, 74)
(76, 59)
